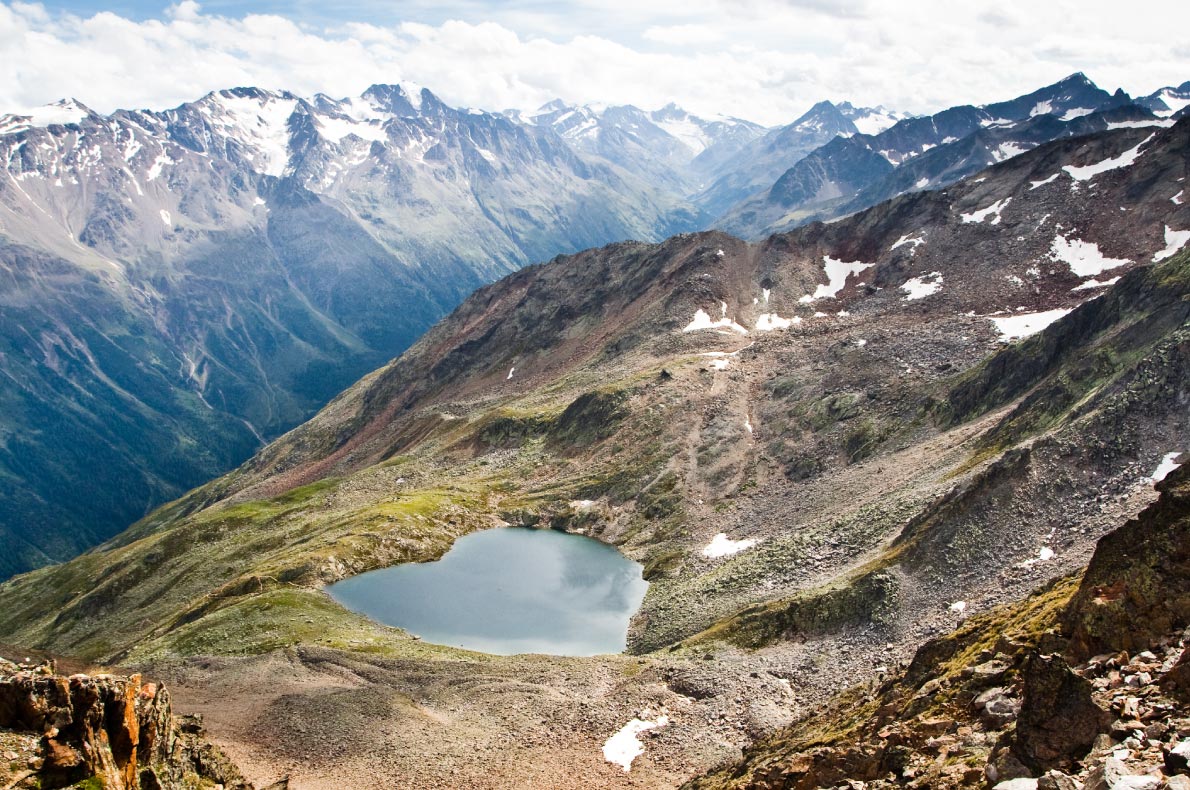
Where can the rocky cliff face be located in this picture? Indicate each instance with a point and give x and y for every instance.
(102, 731)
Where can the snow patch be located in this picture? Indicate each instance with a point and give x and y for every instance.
(923, 286)
(1087, 172)
(582, 505)
(1044, 554)
(689, 133)
(166, 218)
(1014, 327)
(723, 546)
(624, 747)
(510, 372)
(1166, 466)
(158, 164)
(1034, 184)
(1041, 108)
(1174, 241)
(335, 129)
(702, 320)
(1083, 258)
(916, 241)
(1140, 124)
(984, 213)
(769, 322)
(1091, 285)
(837, 273)
(260, 124)
(875, 122)
(1008, 151)
(1077, 112)
(1177, 199)
(63, 112)
(1173, 101)
(958, 606)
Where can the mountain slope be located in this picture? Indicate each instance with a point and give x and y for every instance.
(185, 284)
(841, 407)
(997, 700)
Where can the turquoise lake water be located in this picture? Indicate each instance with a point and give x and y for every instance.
(508, 591)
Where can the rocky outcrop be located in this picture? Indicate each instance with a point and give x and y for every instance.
(114, 732)
(1137, 586)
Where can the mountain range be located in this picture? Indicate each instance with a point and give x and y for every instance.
(186, 285)
(182, 285)
(856, 171)
(825, 448)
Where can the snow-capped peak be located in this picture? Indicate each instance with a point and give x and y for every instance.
(63, 111)
(870, 120)
(258, 120)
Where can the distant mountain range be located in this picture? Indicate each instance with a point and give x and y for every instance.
(852, 172)
(184, 285)
(181, 286)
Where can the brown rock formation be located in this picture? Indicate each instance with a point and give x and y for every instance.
(112, 728)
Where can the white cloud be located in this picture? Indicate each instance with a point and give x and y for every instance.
(682, 35)
(762, 59)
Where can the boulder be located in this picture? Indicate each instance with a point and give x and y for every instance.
(1056, 780)
(1059, 720)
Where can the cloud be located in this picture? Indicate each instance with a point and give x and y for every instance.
(682, 35)
(767, 60)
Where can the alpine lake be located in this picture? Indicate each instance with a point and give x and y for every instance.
(508, 591)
